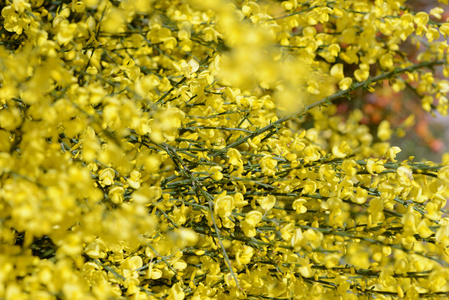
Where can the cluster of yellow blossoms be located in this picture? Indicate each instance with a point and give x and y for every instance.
(189, 149)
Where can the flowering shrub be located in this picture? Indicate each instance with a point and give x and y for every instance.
(191, 150)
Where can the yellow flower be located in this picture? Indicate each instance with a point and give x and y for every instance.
(362, 73)
(132, 263)
(216, 173)
(410, 221)
(298, 240)
(361, 195)
(311, 153)
(134, 179)
(444, 29)
(305, 267)
(114, 20)
(190, 68)
(391, 154)
(116, 194)
(153, 273)
(243, 257)
(287, 231)
(386, 61)
(267, 203)
(345, 83)
(405, 175)
(234, 157)
(309, 187)
(251, 220)
(298, 205)
(423, 229)
(176, 292)
(268, 165)
(442, 235)
(384, 131)
(66, 33)
(240, 200)
(95, 249)
(374, 167)
(443, 173)
(313, 238)
(106, 176)
(349, 167)
(189, 236)
(224, 204)
(253, 217)
(337, 71)
(421, 19)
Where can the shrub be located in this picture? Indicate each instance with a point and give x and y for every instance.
(191, 149)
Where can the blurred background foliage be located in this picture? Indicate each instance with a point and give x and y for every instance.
(419, 134)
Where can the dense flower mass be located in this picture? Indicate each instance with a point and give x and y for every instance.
(191, 149)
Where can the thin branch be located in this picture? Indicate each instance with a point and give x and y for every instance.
(333, 97)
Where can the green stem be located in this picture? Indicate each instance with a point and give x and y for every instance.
(333, 97)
